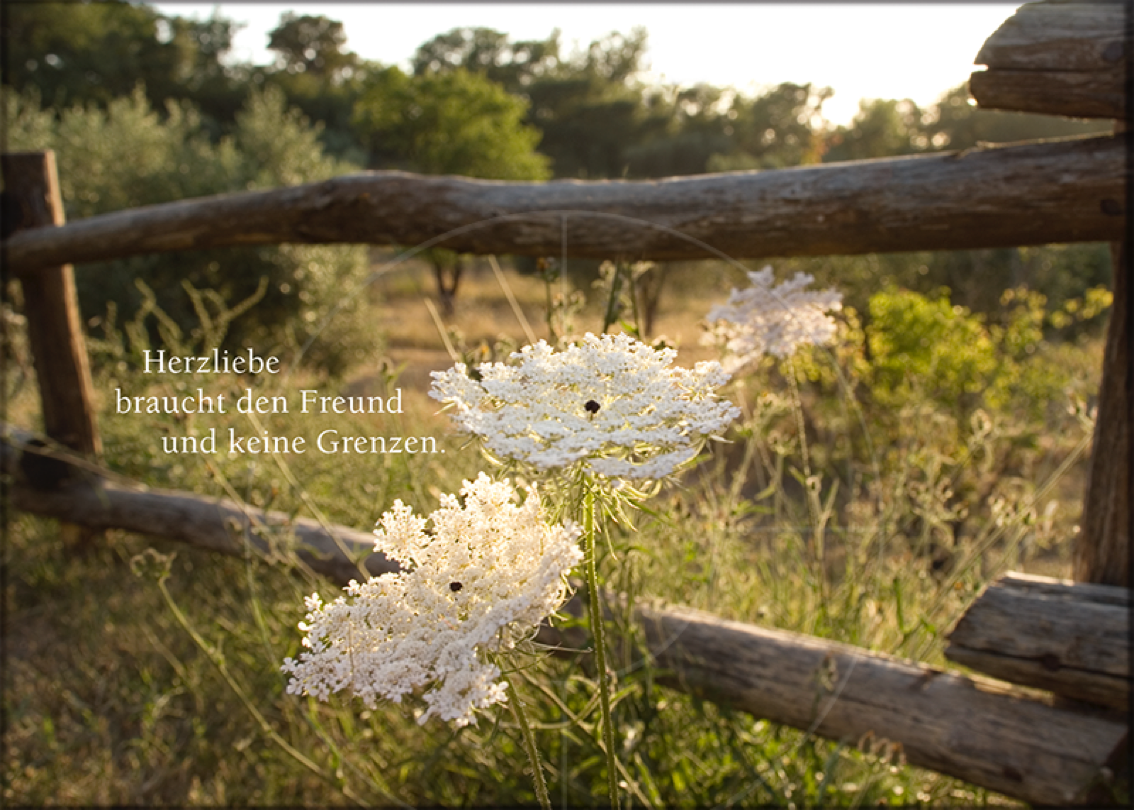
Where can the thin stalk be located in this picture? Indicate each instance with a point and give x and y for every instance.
(516, 309)
(433, 313)
(611, 313)
(521, 716)
(634, 303)
(549, 308)
(217, 660)
(600, 643)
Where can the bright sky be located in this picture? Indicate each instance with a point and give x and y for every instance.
(881, 50)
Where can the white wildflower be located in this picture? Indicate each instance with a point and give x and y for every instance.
(765, 320)
(488, 574)
(611, 403)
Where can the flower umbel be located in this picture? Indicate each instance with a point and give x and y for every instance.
(765, 320)
(611, 403)
(489, 573)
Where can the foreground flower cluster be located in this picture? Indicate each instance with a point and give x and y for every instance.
(611, 403)
(772, 320)
(490, 571)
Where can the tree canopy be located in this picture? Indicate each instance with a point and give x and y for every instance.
(449, 123)
(74, 53)
(586, 114)
(311, 44)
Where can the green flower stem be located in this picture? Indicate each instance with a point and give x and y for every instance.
(600, 642)
(529, 744)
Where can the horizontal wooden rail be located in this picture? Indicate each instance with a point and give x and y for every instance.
(1070, 638)
(49, 481)
(1068, 191)
(973, 729)
(1066, 93)
(1057, 59)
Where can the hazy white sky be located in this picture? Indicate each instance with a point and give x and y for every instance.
(882, 50)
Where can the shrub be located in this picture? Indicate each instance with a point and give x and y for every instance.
(129, 155)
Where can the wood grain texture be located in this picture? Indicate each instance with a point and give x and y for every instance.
(1070, 94)
(1084, 591)
(1069, 191)
(1059, 37)
(88, 495)
(947, 722)
(31, 185)
(960, 726)
(1056, 59)
(1101, 551)
(1070, 639)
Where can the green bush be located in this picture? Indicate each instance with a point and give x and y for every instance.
(960, 360)
(129, 155)
(914, 340)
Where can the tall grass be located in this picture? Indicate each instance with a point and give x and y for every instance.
(146, 672)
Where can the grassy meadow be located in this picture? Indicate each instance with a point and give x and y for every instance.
(850, 502)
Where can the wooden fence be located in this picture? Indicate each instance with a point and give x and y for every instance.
(1065, 58)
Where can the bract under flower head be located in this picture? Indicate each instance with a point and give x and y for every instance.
(401, 632)
(765, 320)
(610, 402)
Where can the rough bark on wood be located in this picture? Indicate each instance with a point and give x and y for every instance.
(1074, 95)
(51, 482)
(51, 306)
(1058, 36)
(1056, 59)
(959, 726)
(1101, 552)
(1028, 194)
(971, 728)
(1070, 639)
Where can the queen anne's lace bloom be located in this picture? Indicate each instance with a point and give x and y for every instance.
(765, 320)
(488, 574)
(610, 402)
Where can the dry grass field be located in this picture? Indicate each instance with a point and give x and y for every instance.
(124, 688)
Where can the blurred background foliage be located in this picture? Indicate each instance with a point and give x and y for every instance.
(126, 154)
(144, 107)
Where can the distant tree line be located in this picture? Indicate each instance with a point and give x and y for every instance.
(586, 114)
(474, 102)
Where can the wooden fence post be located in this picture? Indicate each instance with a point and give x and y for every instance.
(31, 185)
(1102, 547)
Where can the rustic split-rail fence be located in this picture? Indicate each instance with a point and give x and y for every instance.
(1060, 740)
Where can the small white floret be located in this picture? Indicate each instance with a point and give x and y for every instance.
(763, 319)
(489, 572)
(610, 403)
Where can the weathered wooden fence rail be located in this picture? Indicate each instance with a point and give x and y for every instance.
(1072, 640)
(1057, 59)
(1028, 194)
